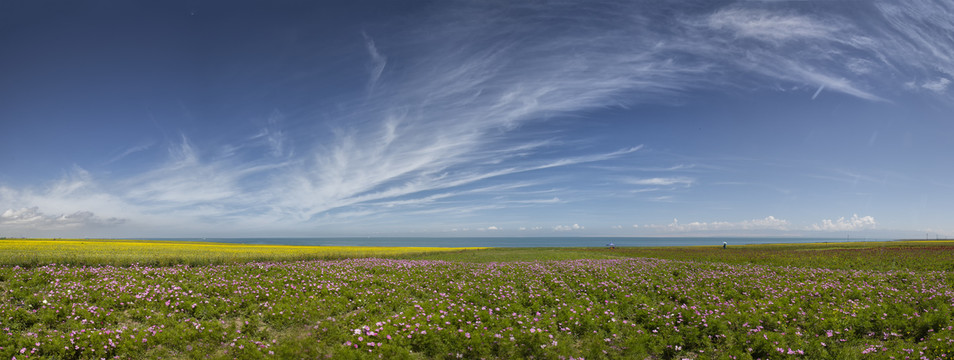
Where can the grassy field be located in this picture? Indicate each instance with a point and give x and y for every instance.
(809, 301)
(36, 252)
(887, 255)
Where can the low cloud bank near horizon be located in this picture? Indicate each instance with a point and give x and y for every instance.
(852, 224)
(855, 223)
(32, 218)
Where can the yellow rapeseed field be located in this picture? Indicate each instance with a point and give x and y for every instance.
(33, 252)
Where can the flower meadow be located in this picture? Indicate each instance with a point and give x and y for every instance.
(386, 308)
(885, 255)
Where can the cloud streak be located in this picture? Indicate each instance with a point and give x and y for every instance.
(661, 181)
(130, 151)
(939, 86)
(769, 26)
(378, 61)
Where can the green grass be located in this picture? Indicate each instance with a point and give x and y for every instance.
(803, 301)
(888, 255)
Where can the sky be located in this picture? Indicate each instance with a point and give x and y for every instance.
(476, 118)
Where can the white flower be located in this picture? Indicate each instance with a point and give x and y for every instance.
(357, 331)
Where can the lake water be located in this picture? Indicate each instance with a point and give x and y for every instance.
(519, 241)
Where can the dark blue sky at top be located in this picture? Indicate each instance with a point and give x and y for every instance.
(117, 72)
(475, 118)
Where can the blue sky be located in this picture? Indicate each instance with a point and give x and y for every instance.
(457, 118)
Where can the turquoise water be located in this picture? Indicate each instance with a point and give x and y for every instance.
(519, 241)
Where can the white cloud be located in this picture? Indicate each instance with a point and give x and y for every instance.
(568, 227)
(441, 122)
(390, 159)
(33, 219)
(71, 200)
(188, 181)
(916, 42)
(767, 223)
(554, 200)
(483, 229)
(860, 66)
(939, 86)
(21, 216)
(787, 60)
(815, 47)
(820, 88)
(853, 224)
(661, 181)
(811, 75)
(273, 135)
(181, 196)
(769, 26)
(480, 229)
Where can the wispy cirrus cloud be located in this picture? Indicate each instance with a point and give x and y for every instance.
(828, 37)
(829, 48)
(273, 136)
(771, 26)
(132, 150)
(378, 61)
(918, 36)
(855, 178)
(661, 181)
(188, 181)
(443, 121)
